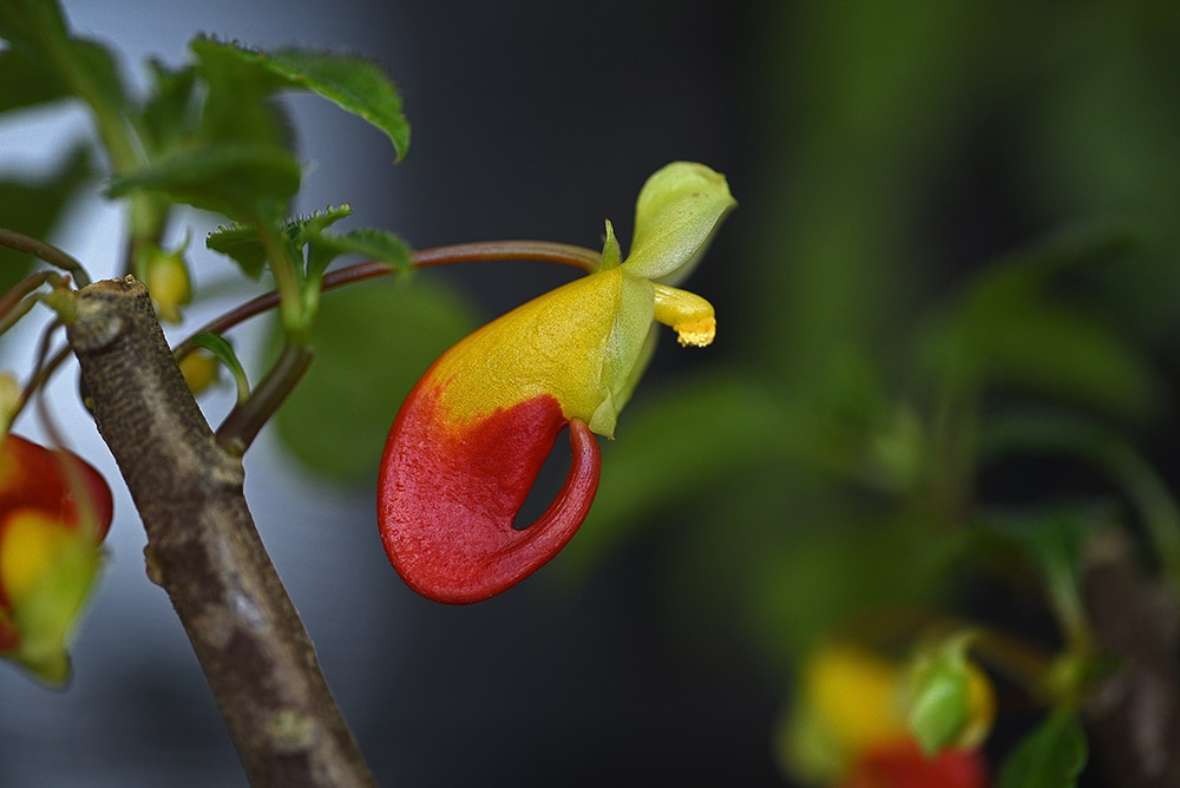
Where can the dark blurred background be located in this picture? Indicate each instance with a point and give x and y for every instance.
(881, 155)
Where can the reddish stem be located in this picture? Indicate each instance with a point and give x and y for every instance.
(480, 252)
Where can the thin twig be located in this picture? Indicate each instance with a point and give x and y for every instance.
(247, 418)
(42, 370)
(45, 251)
(483, 252)
(30, 283)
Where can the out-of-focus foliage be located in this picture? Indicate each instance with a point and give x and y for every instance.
(35, 204)
(335, 422)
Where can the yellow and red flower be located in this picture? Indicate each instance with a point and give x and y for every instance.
(55, 510)
(471, 437)
(849, 727)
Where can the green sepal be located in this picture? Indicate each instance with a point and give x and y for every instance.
(679, 210)
(625, 350)
(937, 695)
(46, 616)
(612, 256)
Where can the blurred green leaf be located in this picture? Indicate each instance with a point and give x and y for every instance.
(829, 574)
(167, 116)
(1006, 331)
(1053, 539)
(25, 22)
(372, 343)
(244, 245)
(34, 206)
(1052, 756)
(674, 444)
(234, 180)
(355, 85)
(1056, 433)
(26, 81)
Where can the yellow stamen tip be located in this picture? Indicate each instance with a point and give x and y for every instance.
(696, 333)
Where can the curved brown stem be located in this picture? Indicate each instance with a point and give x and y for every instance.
(247, 418)
(481, 252)
(13, 296)
(44, 251)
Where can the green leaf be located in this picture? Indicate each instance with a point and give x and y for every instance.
(167, 116)
(34, 207)
(238, 181)
(243, 243)
(679, 209)
(26, 22)
(237, 108)
(1006, 331)
(26, 81)
(1053, 539)
(353, 84)
(673, 444)
(1044, 432)
(378, 245)
(1052, 756)
(223, 351)
(372, 344)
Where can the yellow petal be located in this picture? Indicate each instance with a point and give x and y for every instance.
(573, 343)
(30, 542)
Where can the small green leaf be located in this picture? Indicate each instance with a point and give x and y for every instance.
(372, 344)
(353, 84)
(678, 211)
(34, 207)
(1052, 756)
(244, 245)
(167, 116)
(234, 180)
(223, 351)
(378, 245)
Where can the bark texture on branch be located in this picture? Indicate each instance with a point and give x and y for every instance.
(204, 550)
(1135, 714)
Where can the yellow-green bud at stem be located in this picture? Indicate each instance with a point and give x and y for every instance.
(168, 282)
(200, 370)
